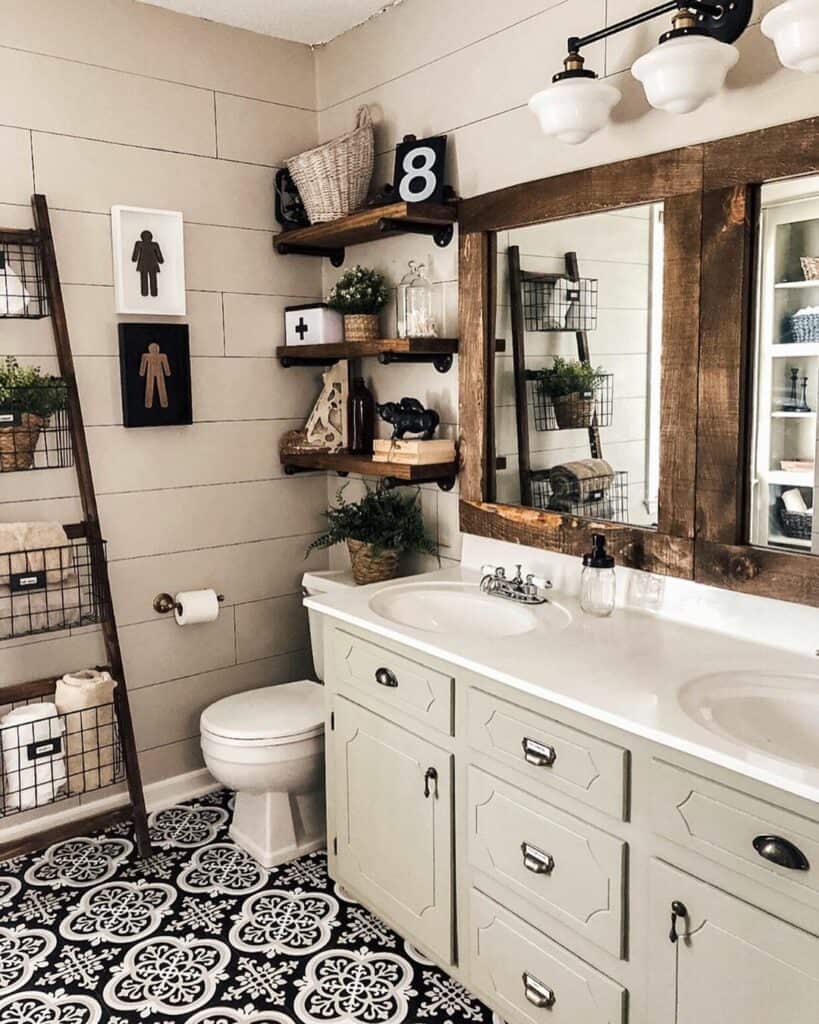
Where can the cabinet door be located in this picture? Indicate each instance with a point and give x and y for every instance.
(393, 795)
(731, 963)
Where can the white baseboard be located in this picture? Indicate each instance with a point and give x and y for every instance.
(158, 796)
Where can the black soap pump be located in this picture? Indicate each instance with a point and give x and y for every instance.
(598, 587)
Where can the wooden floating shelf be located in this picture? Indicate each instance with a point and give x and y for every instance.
(438, 351)
(368, 225)
(442, 473)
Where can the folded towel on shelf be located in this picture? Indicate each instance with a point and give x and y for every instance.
(583, 480)
(594, 509)
(33, 760)
(793, 501)
(34, 547)
(85, 699)
(40, 610)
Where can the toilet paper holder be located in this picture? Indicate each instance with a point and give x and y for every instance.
(165, 603)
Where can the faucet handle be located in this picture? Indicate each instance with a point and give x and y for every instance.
(538, 581)
(518, 574)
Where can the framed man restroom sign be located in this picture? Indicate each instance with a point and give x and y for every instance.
(155, 372)
(149, 261)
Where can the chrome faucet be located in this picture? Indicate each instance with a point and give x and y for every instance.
(524, 589)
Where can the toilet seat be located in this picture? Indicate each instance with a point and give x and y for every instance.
(269, 716)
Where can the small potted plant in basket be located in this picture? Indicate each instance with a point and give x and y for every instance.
(28, 398)
(570, 384)
(377, 530)
(359, 295)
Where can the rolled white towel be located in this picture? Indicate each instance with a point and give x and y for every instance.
(33, 760)
(85, 699)
(34, 547)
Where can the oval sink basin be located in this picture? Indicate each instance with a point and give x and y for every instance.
(461, 609)
(778, 715)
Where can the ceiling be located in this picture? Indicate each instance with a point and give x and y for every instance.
(304, 21)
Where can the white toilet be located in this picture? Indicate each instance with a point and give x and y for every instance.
(268, 745)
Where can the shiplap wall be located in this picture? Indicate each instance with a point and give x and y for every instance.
(467, 68)
(110, 101)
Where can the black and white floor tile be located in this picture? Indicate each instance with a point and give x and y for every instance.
(201, 934)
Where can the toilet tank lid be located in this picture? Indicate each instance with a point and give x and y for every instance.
(289, 711)
(327, 580)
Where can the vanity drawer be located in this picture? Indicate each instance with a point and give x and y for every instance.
(548, 752)
(724, 824)
(403, 684)
(531, 979)
(563, 867)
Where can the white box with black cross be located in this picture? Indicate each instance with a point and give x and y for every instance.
(313, 324)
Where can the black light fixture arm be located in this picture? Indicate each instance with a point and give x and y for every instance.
(731, 16)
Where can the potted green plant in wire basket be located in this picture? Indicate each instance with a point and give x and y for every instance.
(377, 530)
(359, 295)
(28, 399)
(571, 385)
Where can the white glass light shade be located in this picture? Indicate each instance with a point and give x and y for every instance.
(573, 109)
(794, 28)
(680, 74)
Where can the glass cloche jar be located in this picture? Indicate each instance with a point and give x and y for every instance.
(418, 304)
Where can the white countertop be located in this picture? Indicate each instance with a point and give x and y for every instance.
(626, 670)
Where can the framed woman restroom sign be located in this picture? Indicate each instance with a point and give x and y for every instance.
(149, 261)
(155, 372)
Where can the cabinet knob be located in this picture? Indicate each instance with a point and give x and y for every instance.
(537, 993)
(541, 755)
(384, 677)
(536, 861)
(782, 852)
(678, 910)
(430, 775)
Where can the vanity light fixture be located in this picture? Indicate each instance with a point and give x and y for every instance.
(687, 67)
(794, 28)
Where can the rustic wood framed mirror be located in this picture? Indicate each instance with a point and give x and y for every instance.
(759, 364)
(601, 269)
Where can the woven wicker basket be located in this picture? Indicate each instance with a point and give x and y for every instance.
(361, 327)
(369, 567)
(334, 178)
(572, 411)
(810, 268)
(17, 443)
(797, 525)
(805, 327)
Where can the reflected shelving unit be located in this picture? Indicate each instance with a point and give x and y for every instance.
(787, 370)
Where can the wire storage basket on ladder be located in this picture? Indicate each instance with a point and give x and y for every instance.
(46, 589)
(570, 412)
(48, 756)
(554, 302)
(602, 497)
(22, 282)
(34, 427)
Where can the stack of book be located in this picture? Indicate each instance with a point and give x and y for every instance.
(414, 453)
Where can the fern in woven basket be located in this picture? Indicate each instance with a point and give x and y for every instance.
(26, 389)
(383, 518)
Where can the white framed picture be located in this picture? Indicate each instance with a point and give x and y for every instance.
(149, 261)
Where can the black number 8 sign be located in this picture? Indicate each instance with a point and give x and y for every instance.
(420, 166)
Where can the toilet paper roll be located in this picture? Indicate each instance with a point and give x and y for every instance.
(194, 606)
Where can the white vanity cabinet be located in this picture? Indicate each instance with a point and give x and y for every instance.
(535, 853)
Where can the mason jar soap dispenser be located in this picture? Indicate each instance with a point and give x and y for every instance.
(598, 587)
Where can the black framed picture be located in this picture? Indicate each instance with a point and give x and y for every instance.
(155, 373)
(420, 169)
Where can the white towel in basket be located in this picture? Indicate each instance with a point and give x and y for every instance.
(34, 773)
(56, 608)
(32, 547)
(85, 699)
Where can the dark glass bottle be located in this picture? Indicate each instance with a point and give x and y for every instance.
(361, 418)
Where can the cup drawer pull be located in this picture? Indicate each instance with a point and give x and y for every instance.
(537, 993)
(536, 861)
(384, 677)
(782, 852)
(541, 755)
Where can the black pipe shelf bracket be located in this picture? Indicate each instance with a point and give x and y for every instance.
(442, 234)
(441, 361)
(334, 255)
(445, 483)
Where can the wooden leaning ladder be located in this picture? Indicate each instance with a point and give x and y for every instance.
(42, 237)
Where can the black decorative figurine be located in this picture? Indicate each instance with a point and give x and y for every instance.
(409, 417)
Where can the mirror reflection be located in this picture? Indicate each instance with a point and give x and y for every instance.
(783, 475)
(577, 371)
